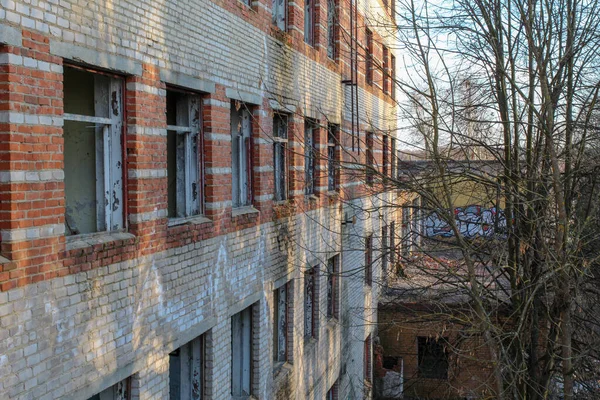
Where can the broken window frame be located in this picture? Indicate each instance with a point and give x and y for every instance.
(281, 320)
(384, 250)
(406, 229)
(279, 14)
(310, 157)
(332, 29)
(392, 251)
(386, 156)
(333, 392)
(310, 303)
(280, 156)
(333, 135)
(119, 391)
(386, 71)
(333, 287)
(188, 362)
(188, 153)
(368, 359)
(309, 22)
(432, 358)
(415, 224)
(241, 155)
(242, 354)
(369, 159)
(369, 259)
(369, 57)
(109, 135)
(393, 75)
(393, 163)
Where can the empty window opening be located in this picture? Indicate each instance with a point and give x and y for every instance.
(370, 159)
(432, 358)
(393, 75)
(120, 391)
(368, 356)
(386, 71)
(93, 160)
(332, 393)
(241, 354)
(241, 150)
(386, 156)
(310, 308)
(280, 140)
(406, 229)
(384, 250)
(186, 371)
(332, 21)
(184, 141)
(416, 224)
(369, 57)
(310, 156)
(393, 165)
(393, 243)
(333, 287)
(369, 260)
(279, 14)
(333, 134)
(281, 320)
(309, 22)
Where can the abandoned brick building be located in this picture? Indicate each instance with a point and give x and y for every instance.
(174, 221)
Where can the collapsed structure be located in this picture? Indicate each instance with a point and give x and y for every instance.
(174, 216)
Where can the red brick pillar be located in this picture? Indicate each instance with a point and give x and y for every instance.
(31, 162)
(262, 159)
(296, 157)
(147, 159)
(217, 154)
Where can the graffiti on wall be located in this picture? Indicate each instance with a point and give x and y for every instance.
(472, 221)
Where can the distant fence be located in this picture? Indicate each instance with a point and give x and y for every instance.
(472, 221)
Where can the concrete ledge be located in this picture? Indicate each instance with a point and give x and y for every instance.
(236, 212)
(92, 239)
(95, 58)
(10, 35)
(194, 219)
(241, 95)
(243, 304)
(285, 108)
(187, 81)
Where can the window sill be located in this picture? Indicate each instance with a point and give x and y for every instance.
(192, 220)
(92, 239)
(236, 212)
(310, 341)
(311, 197)
(281, 370)
(333, 193)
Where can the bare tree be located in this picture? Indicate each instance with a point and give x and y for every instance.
(502, 94)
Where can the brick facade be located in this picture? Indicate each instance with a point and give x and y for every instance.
(80, 313)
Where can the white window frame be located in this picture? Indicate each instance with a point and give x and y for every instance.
(108, 122)
(279, 14)
(280, 143)
(310, 303)
(241, 155)
(309, 22)
(281, 322)
(188, 194)
(189, 362)
(310, 158)
(242, 362)
(331, 28)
